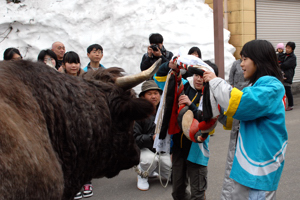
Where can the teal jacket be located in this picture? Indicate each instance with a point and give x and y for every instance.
(262, 139)
(86, 68)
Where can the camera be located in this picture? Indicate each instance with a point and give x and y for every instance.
(154, 47)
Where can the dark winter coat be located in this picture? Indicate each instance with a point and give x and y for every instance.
(143, 132)
(280, 57)
(288, 67)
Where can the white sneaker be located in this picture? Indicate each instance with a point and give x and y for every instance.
(78, 195)
(142, 183)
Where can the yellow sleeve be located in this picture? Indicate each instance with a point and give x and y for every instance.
(234, 101)
(161, 78)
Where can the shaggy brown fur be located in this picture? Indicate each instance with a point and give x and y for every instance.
(57, 131)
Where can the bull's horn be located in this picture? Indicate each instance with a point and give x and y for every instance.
(127, 82)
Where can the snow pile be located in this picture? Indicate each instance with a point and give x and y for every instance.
(121, 27)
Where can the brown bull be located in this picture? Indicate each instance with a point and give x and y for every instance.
(57, 131)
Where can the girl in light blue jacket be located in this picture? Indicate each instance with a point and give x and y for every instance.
(262, 137)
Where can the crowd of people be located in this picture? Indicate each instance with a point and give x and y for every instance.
(258, 135)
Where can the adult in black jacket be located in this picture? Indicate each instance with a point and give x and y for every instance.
(288, 67)
(144, 136)
(155, 51)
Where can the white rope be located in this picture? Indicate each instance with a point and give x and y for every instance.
(169, 176)
(145, 174)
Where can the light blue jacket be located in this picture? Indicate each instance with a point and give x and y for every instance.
(86, 68)
(262, 140)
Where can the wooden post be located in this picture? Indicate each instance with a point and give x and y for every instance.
(218, 36)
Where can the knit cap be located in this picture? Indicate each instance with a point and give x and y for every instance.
(280, 46)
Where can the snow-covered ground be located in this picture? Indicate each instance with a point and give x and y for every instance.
(121, 27)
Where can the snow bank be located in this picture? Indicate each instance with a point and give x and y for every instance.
(121, 27)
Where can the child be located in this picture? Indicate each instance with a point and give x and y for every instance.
(280, 53)
(71, 64)
(47, 54)
(95, 54)
(189, 158)
(12, 54)
(262, 137)
(195, 51)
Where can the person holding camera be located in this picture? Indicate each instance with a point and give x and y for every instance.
(155, 51)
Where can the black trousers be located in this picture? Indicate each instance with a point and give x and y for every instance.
(184, 172)
(289, 95)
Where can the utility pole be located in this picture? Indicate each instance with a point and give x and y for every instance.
(218, 36)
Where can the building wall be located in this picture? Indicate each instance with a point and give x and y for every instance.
(241, 22)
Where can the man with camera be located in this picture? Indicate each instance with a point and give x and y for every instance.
(156, 50)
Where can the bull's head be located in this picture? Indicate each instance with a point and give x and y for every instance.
(125, 108)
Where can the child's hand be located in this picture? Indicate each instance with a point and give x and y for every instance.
(208, 75)
(183, 99)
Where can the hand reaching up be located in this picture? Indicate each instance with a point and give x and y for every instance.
(208, 75)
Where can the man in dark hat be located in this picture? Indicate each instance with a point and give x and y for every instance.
(288, 67)
(145, 136)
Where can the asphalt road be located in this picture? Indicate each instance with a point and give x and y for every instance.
(123, 186)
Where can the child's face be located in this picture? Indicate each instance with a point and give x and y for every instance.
(72, 68)
(52, 60)
(248, 67)
(280, 50)
(95, 55)
(288, 49)
(198, 82)
(16, 57)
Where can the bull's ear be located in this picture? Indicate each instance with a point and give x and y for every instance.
(138, 109)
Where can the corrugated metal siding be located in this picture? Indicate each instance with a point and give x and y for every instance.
(279, 21)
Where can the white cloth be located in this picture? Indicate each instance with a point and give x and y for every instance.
(193, 60)
(164, 144)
